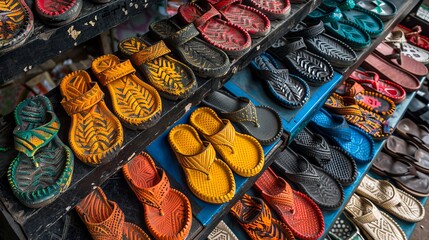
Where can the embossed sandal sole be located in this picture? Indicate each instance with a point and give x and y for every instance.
(273, 9)
(57, 13)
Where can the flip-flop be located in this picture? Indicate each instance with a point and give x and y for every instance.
(273, 9)
(43, 168)
(397, 39)
(332, 159)
(317, 41)
(409, 151)
(405, 63)
(95, 134)
(384, 9)
(352, 139)
(367, 99)
(363, 18)
(340, 28)
(375, 224)
(343, 229)
(136, 103)
(173, 79)
(242, 152)
(405, 175)
(255, 217)
(58, 13)
(371, 81)
(370, 122)
(394, 201)
(209, 178)
(250, 19)
(18, 24)
(222, 232)
(309, 66)
(287, 89)
(311, 180)
(262, 122)
(105, 220)
(419, 134)
(167, 212)
(214, 29)
(204, 59)
(414, 36)
(297, 210)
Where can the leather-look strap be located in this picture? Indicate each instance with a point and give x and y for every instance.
(199, 162)
(309, 31)
(211, 13)
(84, 101)
(116, 72)
(245, 114)
(225, 137)
(283, 47)
(222, 4)
(182, 36)
(150, 53)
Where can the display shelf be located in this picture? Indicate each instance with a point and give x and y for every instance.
(30, 223)
(47, 42)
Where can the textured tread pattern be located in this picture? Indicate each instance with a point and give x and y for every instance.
(16, 23)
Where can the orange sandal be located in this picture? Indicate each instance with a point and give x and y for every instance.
(95, 134)
(167, 212)
(136, 103)
(255, 217)
(105, 220)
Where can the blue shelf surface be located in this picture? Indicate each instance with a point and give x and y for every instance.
(162, 154)
(294, 120)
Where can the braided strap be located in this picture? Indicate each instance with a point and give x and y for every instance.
(150, 53)
(116, 72)
(200, 162)
(111, 228)
(84, 101)
(245, 114)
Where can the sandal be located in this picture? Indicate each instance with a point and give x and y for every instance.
(384, 9)
(396, 39)
(409, 151)
(288, 90)
(255, 217)
(209, 178)
(414, 36)
(311, 67)
(136, 103)
(371, 81)
(242, 153)
(167, 212)
(419, 134)
(332, 159)
(173, 79)
(335, 51)
(374, 223)
(340, 28)
(250, 19)
(18, 24)
(204, 59)
(344, 229)
(261, 122)
(364, 19)
(394, 201)
(403, 173)
(58, 13)
(95, 134)
(222, 232)
(297, 210)
(43, 168)
(369, 100)
(352, 139)
(105, 220)
(311, 180)
(370, 122)
(273, 9)
(221, 33)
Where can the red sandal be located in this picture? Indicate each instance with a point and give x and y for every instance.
(414, 36)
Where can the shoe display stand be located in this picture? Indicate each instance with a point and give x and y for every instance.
(22, 222)
(47, 42)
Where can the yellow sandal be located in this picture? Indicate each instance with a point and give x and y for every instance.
(136, 103)
(209, 178)
(242, 152)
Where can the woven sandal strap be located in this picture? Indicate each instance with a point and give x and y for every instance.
(154, 196)
(225, 137)
(84, 101)
(261, 222)
(211, 13)
(199, 162)
(182, 36)
(394, 200)
(317, 148)
(284, 198)
(308, 175)
(245, 114)
(222, 4)
(341, 130)
(371, 216)
(335, 104)
(116, 72)
(30, 140)
(150, 53)
(111, 228)
(353, 88)
(310, 31)
(283, 47)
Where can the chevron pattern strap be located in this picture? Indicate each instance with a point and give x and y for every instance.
(284, 198)
(245, 114)
(211, 13)
(224, 137)
(150, 53)
(84, 101)
(116, 72)
(182, 36)
(222, 4)
(200, 162)
(253, 214)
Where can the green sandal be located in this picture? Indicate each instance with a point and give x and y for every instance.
(44, 166)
